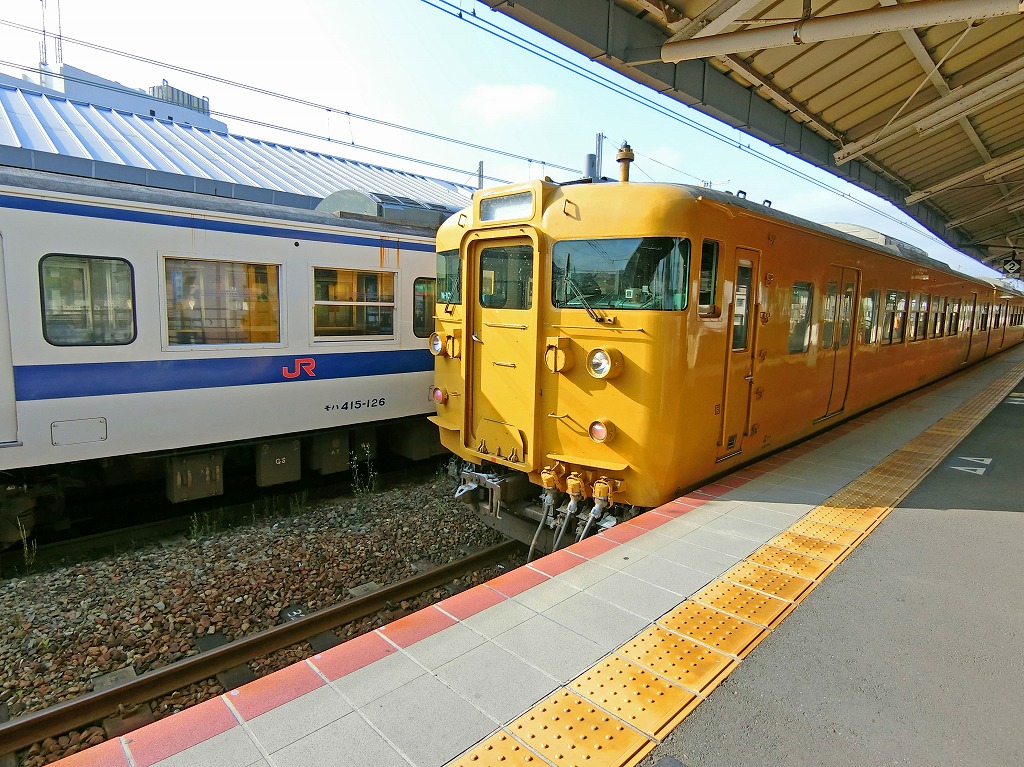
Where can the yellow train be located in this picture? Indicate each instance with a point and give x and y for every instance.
(602, 348)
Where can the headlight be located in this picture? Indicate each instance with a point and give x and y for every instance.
(437, 344)
(439, 395)
(602, 431)
(604, 362)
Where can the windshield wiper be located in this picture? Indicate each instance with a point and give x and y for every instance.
(570, 283)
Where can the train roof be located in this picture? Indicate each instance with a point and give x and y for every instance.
(45, 132)
(36, 181)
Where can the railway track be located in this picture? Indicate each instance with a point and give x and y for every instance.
(92, 707)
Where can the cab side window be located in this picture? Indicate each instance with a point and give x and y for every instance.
(707, 301)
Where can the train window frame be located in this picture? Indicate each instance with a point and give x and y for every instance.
(917, 319)
(423, 307)
(204, 307)
(642, 273)
(801, 313)
(84, 334)
(869, 303)
(894, 317)
(449, 290)
(938, 328)
(516, 283)
(707, 280)
(953, 320)
(743, 296)
(362, 300)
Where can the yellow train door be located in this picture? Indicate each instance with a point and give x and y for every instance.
(837, 321)
(738, 386)
(501, 392)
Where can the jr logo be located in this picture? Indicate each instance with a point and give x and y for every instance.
(302, 365)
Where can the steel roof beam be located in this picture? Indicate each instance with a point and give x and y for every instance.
(956, 104)
(875, 21)
(991, 170)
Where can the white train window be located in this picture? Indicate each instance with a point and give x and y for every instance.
(353, 303)
(221, 302)
(87, 300)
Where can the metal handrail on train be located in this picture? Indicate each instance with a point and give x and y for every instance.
(92, 707)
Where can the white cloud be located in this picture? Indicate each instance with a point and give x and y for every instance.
(505, 103)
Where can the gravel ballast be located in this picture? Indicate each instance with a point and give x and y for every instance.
(144, 609)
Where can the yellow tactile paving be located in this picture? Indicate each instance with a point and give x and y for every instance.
(743, 602)
(654, 667)
(651, 704)
(826, 532)
(679, 659)
(725, 633)
(566, 729)
(811, 547)
(790, 562)
(792, 588)
(841, 517)
(500, 748)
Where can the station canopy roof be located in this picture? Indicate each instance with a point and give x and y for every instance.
(41, 131)
(918, 101)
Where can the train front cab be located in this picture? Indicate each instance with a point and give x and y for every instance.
(543, 379)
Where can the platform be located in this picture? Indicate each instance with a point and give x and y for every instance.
(604, 653)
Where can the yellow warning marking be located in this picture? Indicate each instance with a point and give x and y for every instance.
(679, 659)
(714, 628)
(651, 704)
(792, 588)
(812, 547)
(645, 684)
(826, 532)
(790, 562)
(841, 517)
(500, 748)
(744, 603)
(566, 729)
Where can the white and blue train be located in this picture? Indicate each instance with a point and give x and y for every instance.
(161, 333)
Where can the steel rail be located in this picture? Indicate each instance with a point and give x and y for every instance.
(94, 706)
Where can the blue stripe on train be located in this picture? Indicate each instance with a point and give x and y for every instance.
(93, 379)
(189, 222)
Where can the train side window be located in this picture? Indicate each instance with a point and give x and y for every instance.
(221, 302)
(449, 277)
(996, 316)
(741, 306)
(87, 300)
(869, 317)
(845, 314)
(506, 277)
(938, 316)
(953, 319)
(353, 303)
(707, 301)
(828, 314)
(983, 324)
(894, 320)
(424, 291)
(918, 318)
(800, 306)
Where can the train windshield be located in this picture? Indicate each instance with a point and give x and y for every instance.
(651, 273)
(449, 277)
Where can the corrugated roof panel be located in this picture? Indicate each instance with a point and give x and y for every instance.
(59, 126)
(28, 132)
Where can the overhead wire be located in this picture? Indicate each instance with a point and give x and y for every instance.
(291, 99)
(509, 36)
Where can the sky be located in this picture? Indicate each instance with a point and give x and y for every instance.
(432, 66)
